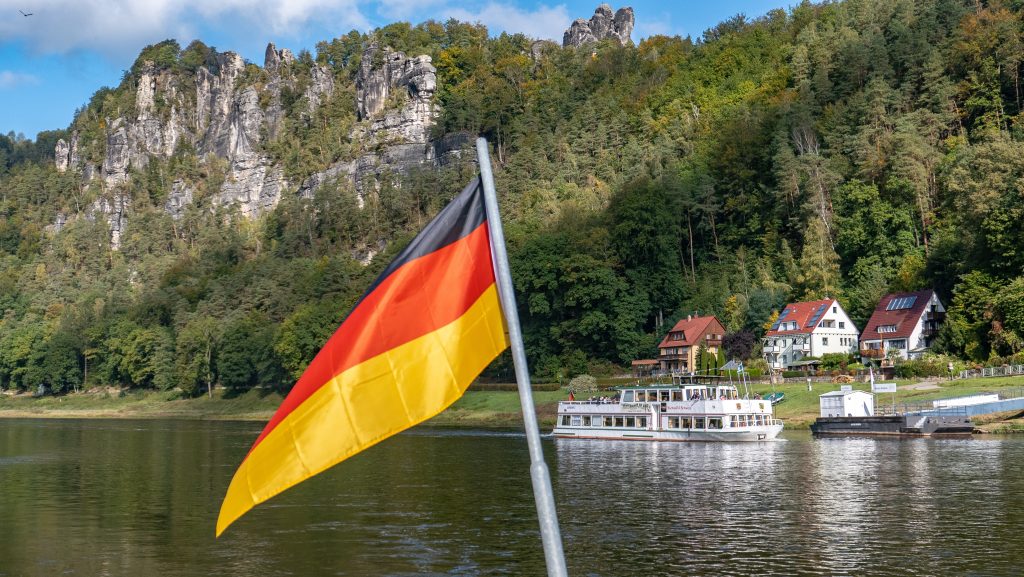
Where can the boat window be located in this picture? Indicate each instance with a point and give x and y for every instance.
(627, 396)
(735, 421)
(714, 422)
(565, 420)
(630, 422)
(586, 421)
(608, 421)
(686, 423)
(664, 396)
(677, 395)
(619, 422)
(641, 422)
(698, 423)
(673, 422)
(576, 421)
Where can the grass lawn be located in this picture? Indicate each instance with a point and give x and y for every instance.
(112, 403)
(800, 408)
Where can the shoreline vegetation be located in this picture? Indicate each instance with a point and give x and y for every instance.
(477, 409)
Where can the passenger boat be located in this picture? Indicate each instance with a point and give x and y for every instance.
(684, 410)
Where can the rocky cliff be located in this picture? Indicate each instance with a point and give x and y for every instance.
(221, 112)
(603, 24)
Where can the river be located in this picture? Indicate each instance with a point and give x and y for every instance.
(140, 498)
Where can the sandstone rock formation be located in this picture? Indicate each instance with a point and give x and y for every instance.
(603, 24)
(236, 110)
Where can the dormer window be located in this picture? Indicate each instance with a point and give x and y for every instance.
(886, 328)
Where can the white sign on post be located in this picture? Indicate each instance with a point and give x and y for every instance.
(883, 388)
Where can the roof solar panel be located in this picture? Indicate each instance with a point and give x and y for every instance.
(900, 303)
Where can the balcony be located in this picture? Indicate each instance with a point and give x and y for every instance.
(934, 317)
(872, 353)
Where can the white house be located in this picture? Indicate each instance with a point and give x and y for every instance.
(808, 329)
(903, 324)
(847, 404)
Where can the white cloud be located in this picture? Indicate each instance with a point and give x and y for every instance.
(122, 26)
(10, 79)
(544, 22)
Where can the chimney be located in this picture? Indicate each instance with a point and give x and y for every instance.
(689, 318)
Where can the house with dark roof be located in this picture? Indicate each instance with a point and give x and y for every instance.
(805, 331)
(677, 352)
(903, 324)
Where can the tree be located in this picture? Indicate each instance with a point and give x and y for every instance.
(196, 345)
(739, 345)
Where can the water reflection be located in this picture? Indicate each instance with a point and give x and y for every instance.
(835, 506)
(140, 498)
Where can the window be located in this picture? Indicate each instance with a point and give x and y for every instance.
(714, 422)
(664, 396)
(900, 344)
(565, 420)
(608, 421)
(641, 422)
(619, 422)
(576, 421)
(630, 422)
(586, 421)
(842, 324)
(673, 422)
(686, 422)
(886, 328)
(698, 423)
(835, 310)
(627, 396)
(824, 341)
(677, 395)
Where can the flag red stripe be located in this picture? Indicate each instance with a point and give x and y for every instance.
(418, 298)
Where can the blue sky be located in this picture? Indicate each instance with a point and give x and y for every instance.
(52, 61)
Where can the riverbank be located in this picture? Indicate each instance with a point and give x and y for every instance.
(476, 409)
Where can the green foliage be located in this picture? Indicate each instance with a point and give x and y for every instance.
(928, 366)
(848, 148)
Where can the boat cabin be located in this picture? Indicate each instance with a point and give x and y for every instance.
(847, 403)
(666, 394)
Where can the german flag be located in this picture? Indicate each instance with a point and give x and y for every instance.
(411, 346)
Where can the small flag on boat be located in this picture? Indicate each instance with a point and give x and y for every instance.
(572, 397)
(410, 347)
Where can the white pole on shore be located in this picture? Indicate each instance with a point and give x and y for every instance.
(542, 492)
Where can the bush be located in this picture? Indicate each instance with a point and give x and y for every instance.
(582, 384)
(927, 366)
(511, 387)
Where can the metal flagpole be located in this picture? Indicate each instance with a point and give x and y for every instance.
(542, 493)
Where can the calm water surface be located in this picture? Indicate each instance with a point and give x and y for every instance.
(140, 498)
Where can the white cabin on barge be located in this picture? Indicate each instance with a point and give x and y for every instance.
(681, 411)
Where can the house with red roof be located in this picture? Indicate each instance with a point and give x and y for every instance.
(677, 352)
(807, 330)
(903, 324)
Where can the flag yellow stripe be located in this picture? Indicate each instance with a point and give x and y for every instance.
(368, 403)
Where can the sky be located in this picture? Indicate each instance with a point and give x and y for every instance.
(54, 54)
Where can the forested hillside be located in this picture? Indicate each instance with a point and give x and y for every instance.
(846, 149)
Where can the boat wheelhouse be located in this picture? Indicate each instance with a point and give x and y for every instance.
(684, 410)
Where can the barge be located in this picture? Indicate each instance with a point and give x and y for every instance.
(907, 425)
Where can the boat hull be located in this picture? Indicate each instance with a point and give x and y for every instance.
(894, 426)
(746, 434)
